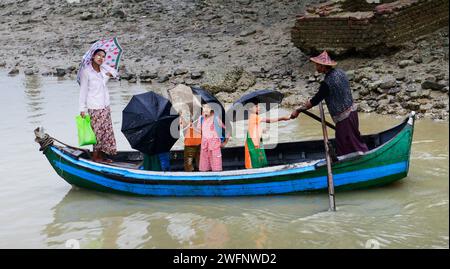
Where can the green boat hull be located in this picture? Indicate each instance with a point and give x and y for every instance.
(382, 165)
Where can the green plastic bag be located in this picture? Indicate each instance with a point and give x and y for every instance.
(86, 135)
(257, 155)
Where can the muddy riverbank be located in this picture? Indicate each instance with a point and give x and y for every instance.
(229, 47)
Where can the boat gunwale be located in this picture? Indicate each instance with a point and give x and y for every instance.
(358, 156)
(285, 169)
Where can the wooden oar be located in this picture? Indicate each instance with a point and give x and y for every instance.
(328, 160)
(312, 115)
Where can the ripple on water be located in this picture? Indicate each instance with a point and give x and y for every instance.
(443, 203)
(429, 156)
(423, 141)
(35, 115)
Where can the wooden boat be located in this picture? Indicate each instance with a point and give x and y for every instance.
(293, 167)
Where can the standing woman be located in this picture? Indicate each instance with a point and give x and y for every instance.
(254, 137)
(94, 97)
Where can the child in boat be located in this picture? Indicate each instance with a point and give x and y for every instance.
(212, 140)
(192, 141)
(255, 156)
(157, 162)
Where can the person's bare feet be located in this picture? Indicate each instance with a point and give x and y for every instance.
(96, 157)
(106, 161)
(99, 158)
(102, 160)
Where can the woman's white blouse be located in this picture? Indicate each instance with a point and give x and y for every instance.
(93, 93)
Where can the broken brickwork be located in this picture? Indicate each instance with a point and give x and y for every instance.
(368, 28)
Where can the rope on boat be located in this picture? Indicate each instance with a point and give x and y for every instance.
(45, 140)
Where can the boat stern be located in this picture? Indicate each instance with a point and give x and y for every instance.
(411, 122)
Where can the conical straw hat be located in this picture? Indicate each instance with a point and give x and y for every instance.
(323, 59)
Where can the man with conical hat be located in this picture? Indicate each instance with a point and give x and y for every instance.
(335, 90)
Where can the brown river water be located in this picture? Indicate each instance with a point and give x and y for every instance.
(40, 210)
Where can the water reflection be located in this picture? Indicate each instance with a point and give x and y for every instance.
(101, 220)
(107, 221)
(34, 99)
(32, 82)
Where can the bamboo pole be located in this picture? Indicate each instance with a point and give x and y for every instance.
(328, 160)
(312, 115)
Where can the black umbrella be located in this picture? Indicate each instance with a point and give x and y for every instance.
(146, 123)
(207, 98)
(267, 97)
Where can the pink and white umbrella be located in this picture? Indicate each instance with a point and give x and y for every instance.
(113, 54)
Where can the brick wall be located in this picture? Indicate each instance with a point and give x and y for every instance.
(329, 26)
(416, 19)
